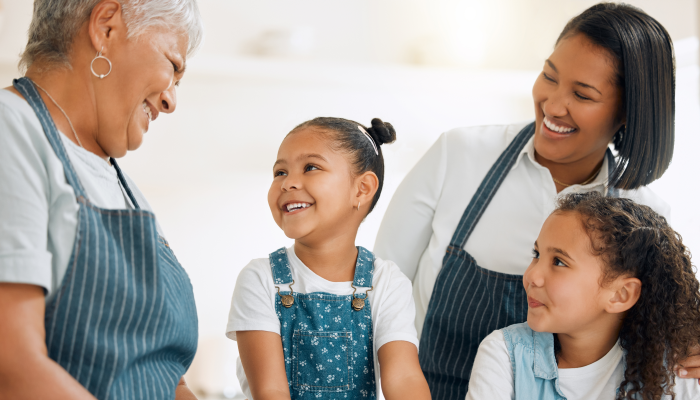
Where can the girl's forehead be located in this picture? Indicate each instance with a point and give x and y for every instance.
(305, 139)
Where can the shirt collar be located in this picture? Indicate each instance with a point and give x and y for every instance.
(528, 152)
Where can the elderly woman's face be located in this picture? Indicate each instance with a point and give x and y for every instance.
(145, 72)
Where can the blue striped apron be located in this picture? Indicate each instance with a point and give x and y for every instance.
(123, 322)
(469, 302)
(328, 344)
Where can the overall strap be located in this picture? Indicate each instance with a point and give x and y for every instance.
(125, 185)
(364, 268)
(611, 190)
(489, 186)
(27, 89)
(281, 272)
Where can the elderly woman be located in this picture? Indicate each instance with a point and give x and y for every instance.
(93, 302)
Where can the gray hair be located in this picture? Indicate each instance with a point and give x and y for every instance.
(56, 22)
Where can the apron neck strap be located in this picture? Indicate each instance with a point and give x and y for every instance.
(610, 191)
(27, 89)
(488, 187)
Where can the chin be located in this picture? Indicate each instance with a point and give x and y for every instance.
(536, 324)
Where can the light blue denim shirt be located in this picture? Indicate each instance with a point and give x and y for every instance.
(535, 372)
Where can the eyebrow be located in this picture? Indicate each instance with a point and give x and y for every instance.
(557, 251)
(551, 65)
(301, 157)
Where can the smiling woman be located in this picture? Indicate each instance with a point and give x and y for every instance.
(89, 287)
(462, 222)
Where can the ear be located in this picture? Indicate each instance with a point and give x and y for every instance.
(367, 185)
(106, 25)
(626, 293)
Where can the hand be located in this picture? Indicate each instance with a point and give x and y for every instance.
(690, 367)
(182, 392)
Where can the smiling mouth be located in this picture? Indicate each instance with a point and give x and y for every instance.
(294, 207)
(557, 128)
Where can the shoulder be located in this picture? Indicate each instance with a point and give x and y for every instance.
(257, 271)
(644, 195)
(479, 138)
(387, 272)
(518, 333)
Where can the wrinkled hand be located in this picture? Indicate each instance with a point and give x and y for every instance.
(690, 367)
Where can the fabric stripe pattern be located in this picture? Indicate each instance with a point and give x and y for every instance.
(123, 322)
(468, 302)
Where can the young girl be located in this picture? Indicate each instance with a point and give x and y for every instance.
(613, 305)
(324, 318)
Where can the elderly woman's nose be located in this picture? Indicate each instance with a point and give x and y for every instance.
(168, 100)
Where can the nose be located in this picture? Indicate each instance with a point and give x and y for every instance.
(290, 183)
(555, 105)
(168, 100)
(533, 276)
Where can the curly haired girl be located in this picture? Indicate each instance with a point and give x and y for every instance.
(613, 306)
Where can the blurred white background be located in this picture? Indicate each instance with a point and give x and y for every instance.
(424, 66)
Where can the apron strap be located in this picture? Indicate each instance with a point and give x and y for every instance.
(489, 186)
(27, 89)
(611, 190)
(125, 185)
(281, 272)
(364, 268)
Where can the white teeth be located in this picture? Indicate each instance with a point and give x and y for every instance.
(148, 111)
(295, 206)
(556, 128)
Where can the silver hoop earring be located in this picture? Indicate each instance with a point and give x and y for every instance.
(99, 55)
(358, 206)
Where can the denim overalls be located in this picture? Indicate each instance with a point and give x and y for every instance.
(327, 339)
(469, 302)
(123, 322)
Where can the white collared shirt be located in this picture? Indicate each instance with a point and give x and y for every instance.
(426, 207)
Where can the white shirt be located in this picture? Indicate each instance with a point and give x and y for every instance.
(253, 303)
(38, 208)
(492, 375)
(426, 207)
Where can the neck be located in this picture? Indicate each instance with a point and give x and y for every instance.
(74, 94)
(574, 172)
(585, 348)
(332, 259)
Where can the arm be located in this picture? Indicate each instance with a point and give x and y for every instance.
(262, 357)
(182, 392)
(400, 373)
(407, 224)
(26, 371)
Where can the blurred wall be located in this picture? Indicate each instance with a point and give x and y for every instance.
(266, 66)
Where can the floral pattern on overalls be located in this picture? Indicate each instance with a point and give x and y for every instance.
(328, 346)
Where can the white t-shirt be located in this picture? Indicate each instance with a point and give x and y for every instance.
(492, 375)
(253, 303)
(38, 208)
(429, 203)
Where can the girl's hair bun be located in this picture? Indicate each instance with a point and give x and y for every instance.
(382, 132)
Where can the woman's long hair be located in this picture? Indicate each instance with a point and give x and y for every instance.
(642, 53)
(659, 330)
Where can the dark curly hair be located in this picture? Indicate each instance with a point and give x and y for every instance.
(348, 138)
(659, 330)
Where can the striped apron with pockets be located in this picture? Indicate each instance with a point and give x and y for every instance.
(123, 322)
(468, 302)
(327, 339)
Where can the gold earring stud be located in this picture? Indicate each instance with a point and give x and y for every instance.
(358, 206)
